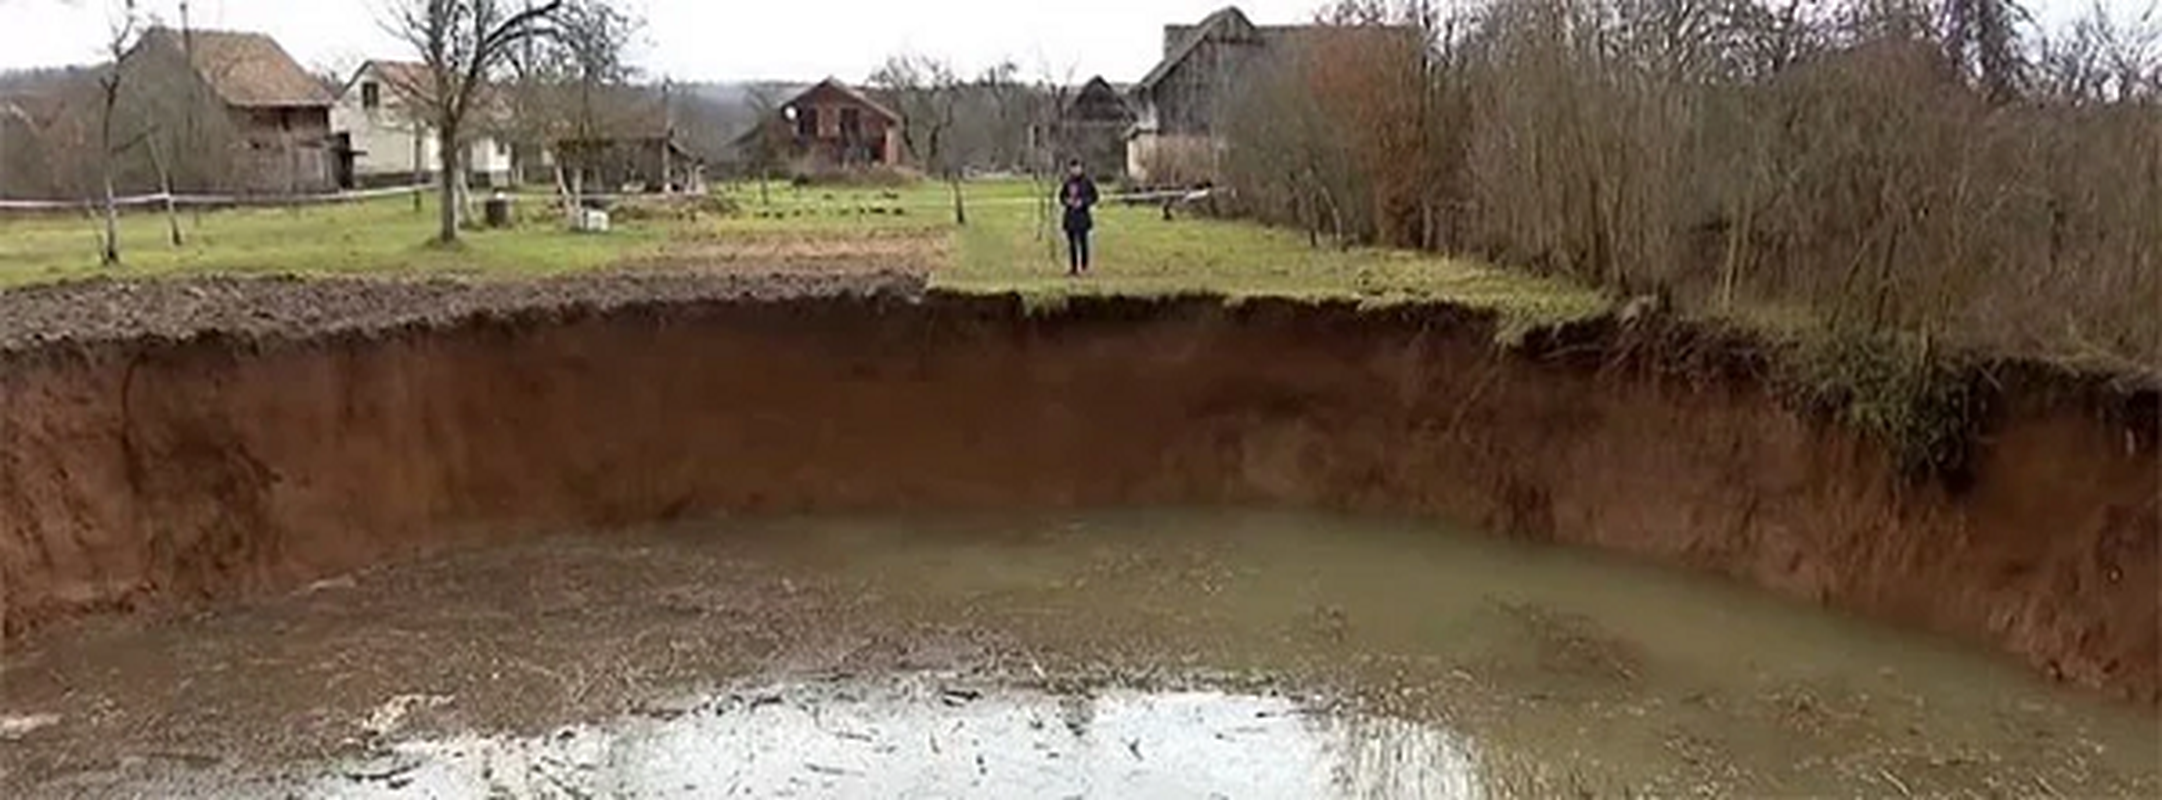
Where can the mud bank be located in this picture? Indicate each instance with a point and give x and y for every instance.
(163, 473)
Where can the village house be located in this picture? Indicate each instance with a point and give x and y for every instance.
(279, 113)
(383, 136)
(829, 125)
(1092, 126)
(1179, 107)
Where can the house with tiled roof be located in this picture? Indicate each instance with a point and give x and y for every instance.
(280, 112)
(831, 124)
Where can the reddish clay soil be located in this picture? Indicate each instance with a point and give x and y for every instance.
(184, 443)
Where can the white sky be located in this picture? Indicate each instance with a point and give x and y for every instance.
(740, 39)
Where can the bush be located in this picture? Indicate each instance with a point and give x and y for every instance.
(1915, 401)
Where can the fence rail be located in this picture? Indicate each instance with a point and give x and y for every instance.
(218, 200)
(285, 201)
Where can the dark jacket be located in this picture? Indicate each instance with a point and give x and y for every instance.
(1078, 197)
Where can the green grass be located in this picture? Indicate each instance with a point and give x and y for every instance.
(382, 237)
(1011, 244)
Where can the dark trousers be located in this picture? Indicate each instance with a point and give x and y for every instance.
(1077, 249)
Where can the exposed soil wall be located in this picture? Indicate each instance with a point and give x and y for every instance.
(141, 473)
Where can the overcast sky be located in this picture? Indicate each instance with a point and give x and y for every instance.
(735, 39)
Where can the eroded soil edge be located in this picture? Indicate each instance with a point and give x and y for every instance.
(162, 472)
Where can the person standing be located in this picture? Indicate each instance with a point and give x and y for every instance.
(1078, 197)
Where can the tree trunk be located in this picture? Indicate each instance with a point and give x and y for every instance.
(570, 199)
(165, 186)
(465, 188)
(578, 195)
(420, 169)
(447, 185)
(111, 255)
(960, 210)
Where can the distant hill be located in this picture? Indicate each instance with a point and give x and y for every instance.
(722, 110)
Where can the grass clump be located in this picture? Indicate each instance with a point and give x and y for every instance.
(1912, 398)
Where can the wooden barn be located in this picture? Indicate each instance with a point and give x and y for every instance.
(280, 113)
(1180, 105)
(1092, 126)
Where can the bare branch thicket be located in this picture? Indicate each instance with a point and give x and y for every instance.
(570, 90)
(1935, 170)
(926, 92)
(999, 119)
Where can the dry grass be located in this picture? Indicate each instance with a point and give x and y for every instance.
(1008, 246)
(822, 251)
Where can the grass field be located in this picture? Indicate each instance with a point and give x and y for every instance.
(1011, 244)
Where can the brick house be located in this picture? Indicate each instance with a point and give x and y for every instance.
(829, 125)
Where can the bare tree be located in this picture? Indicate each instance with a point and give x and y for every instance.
(926, 92)
(593, 37)
(1983, 37)
(1006, 106)
(766, 146)
(566, 86)
(123, 32)
(463, 43)
(1053, 91)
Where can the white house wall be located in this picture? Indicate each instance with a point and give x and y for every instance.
(384, 141)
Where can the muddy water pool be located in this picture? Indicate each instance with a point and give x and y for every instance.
(1179, 653)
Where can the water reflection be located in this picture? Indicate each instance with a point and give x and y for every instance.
(928, 740)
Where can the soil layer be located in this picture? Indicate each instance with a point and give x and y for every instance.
(248, 446)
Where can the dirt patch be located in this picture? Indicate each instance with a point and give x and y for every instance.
(144, 473)
(900, 250)
(293, 307)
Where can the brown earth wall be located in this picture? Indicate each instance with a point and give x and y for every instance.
(164, 474)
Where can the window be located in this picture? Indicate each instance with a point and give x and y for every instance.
(371, 95)
(807, 123)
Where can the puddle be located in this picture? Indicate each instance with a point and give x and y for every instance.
(922, 740)
(1476, 666)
